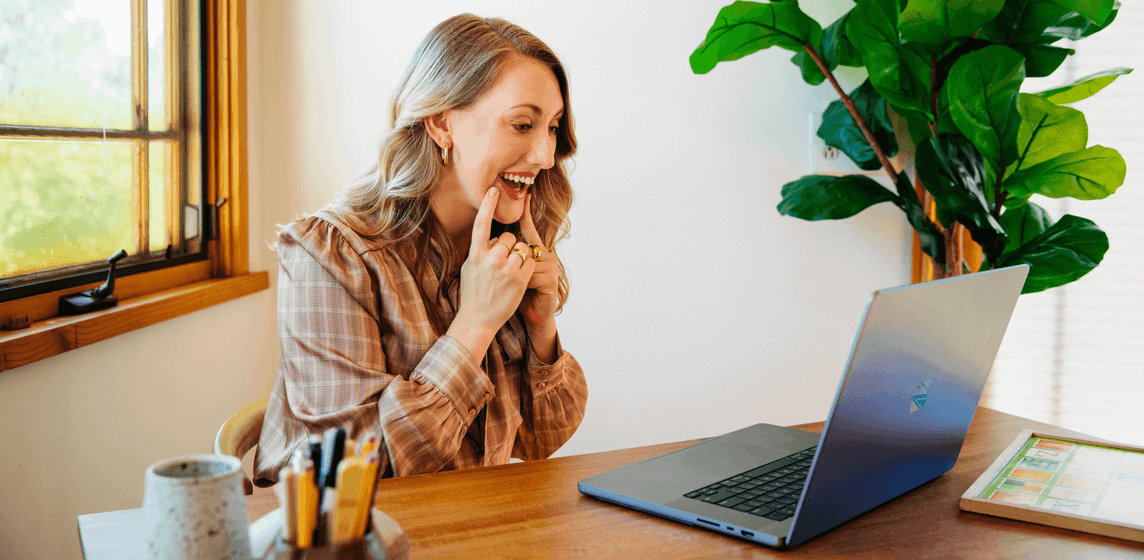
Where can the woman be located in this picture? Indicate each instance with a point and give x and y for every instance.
(419, 306)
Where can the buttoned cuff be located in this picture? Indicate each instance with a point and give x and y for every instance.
(542, 377)
(453, 372)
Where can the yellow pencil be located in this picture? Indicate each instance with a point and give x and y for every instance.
(351, 473)
(365, 499)
(307, 505)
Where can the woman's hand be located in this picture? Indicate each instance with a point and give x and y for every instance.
(542, 298)
(494, 278)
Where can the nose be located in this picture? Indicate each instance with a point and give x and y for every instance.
(543, 152)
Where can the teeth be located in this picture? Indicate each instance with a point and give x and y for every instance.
(518, 178)
(520, 181)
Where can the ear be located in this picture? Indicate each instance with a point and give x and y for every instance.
(440, 129)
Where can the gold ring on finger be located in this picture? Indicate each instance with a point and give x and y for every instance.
(506, 245)
(535, 252)
(523, 257)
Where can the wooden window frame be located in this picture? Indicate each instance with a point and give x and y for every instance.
(151, 297)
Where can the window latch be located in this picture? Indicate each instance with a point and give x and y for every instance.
(212, 219)
(94, 299)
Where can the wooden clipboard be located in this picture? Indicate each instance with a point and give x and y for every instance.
(1092, 486)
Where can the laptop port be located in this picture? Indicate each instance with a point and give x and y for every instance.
(747, 534)
(707, 522)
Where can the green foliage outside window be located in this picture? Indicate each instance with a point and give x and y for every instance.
(67, 201)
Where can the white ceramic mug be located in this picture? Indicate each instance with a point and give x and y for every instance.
(194, 508)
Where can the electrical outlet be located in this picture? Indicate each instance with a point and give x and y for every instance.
(824, 160)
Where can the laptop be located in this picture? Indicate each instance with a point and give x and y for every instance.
(908, 395)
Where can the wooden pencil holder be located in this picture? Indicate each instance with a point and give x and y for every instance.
(384, 540)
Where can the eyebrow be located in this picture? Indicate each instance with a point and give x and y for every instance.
(537, 110)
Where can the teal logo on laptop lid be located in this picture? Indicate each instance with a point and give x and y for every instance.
(920, 394)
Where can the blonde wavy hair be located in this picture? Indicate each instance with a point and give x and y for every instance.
(456, 63)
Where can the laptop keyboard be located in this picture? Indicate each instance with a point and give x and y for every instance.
(769, 491)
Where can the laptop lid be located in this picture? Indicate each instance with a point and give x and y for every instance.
(908, 395)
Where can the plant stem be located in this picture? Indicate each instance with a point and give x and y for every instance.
(882, 158)
(999, 194)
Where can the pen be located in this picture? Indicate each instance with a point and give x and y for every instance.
(333, 447)
(287, 491)
(313, 448)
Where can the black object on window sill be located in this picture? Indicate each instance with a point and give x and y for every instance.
(16, 323)
(98, 298)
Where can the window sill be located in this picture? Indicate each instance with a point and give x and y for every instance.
(57, 335)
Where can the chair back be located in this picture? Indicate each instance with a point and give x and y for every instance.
(240, 433)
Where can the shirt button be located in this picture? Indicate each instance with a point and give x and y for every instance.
(487, 396)
(472, 412)
(541, 385)
(542, 372)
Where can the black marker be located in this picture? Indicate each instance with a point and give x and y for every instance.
(333, 449)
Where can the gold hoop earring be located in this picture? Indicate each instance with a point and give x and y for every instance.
(444, 155)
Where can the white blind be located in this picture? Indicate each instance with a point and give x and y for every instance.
(1074, 355)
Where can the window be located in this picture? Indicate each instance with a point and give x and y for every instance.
(1073, 355)
(149, 172)
(99, 141)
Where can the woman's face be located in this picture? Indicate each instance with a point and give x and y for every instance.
(502, 140)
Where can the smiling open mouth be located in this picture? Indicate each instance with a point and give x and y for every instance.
(516, 182)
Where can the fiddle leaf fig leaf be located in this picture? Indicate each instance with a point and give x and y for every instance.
(1063, 253)
(938, 21)
(929, 235)
(1083, 88)
(1023, 22)
(953, 172)
(899, 71)
(1075, 27)
(835, 50)
(1092, 10)
(983, 87)
(743, 28)
(1042, 60)
(1024, 223)
(1089, 174)
(836, 46)
(829, 197)
(916, 125)
(841, 131)
(811, 73)
(1047, 131)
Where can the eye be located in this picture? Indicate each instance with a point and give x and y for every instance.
(553, 129)
(522, 127)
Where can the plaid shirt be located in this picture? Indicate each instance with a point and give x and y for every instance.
(360, 352)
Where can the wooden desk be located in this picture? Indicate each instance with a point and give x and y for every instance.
(533, 510)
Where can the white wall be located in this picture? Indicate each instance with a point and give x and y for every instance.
(695, 308)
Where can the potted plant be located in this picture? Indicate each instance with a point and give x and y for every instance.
(952, 71)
